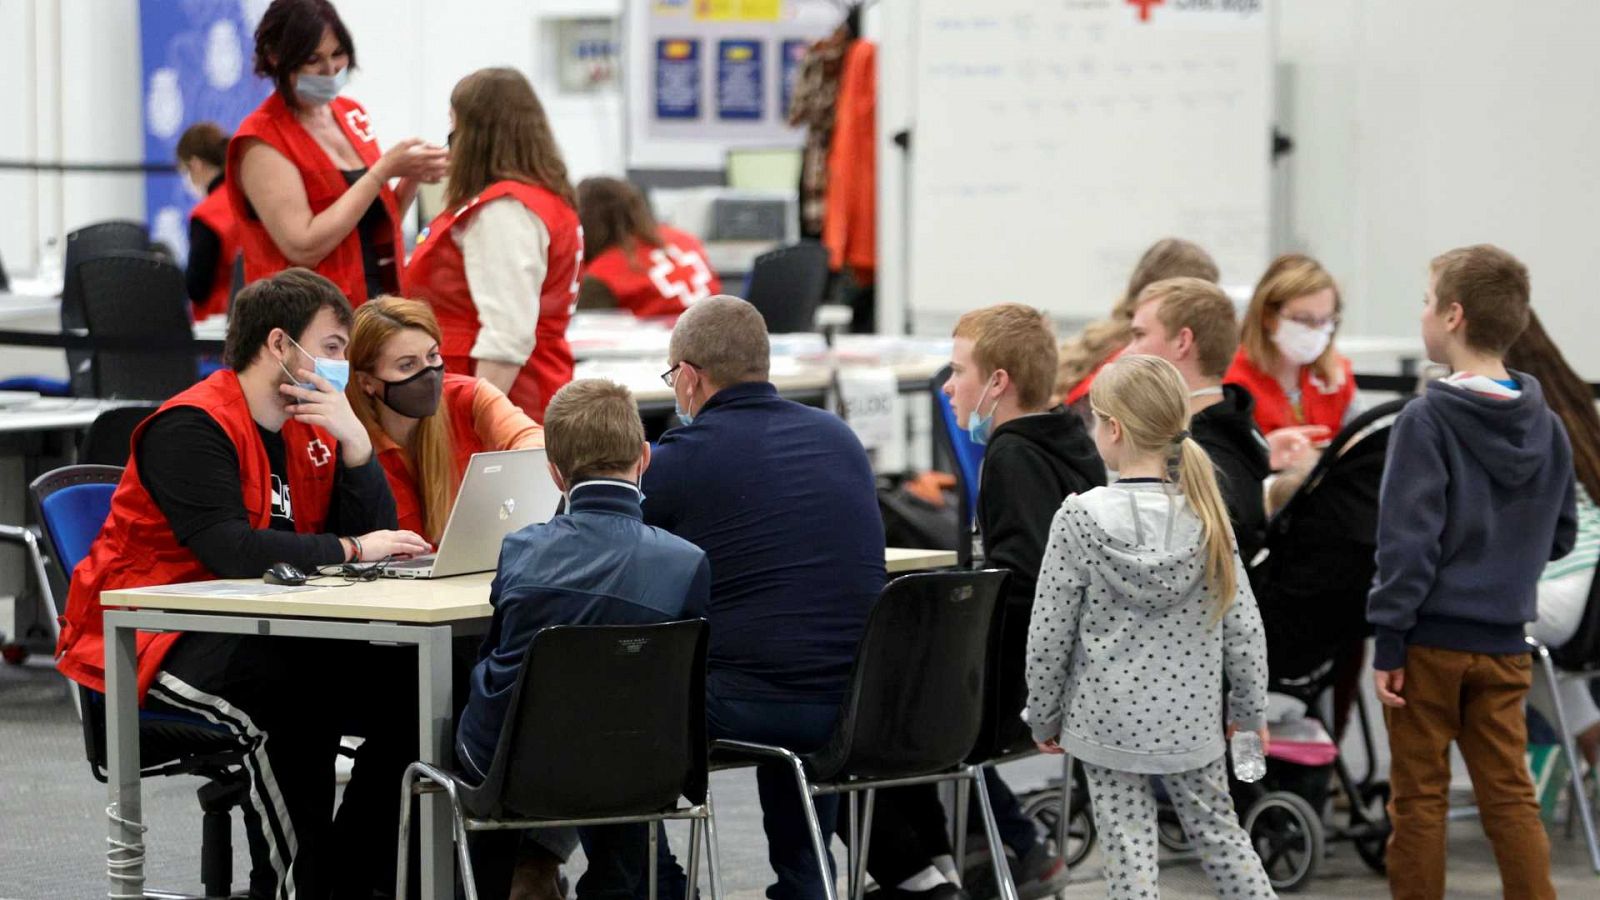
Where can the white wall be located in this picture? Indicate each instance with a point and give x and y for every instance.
(412, 53)
(1429, 124)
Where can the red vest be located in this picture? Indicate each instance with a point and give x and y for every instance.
(1320, 403)
(136, 547)
(438, 274)
(657, 280)
(217, 215)
(464, 441)
(274, 123)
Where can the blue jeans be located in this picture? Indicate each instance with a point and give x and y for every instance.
(801, 727)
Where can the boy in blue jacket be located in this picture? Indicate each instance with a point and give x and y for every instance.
(1477, 496)
(597, 564)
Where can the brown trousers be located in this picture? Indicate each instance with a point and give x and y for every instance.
(1475, 700)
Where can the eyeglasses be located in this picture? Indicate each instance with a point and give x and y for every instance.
(670, 376)
(1314, 321)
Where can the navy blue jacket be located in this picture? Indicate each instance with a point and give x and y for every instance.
(782, 499)
(596, 564)
(1478, 495)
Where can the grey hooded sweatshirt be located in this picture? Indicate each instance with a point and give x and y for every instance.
(1125, 660)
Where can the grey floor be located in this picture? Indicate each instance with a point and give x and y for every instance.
(52, 815)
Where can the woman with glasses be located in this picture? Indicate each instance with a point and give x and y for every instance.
(500, 265)
(1286, 357)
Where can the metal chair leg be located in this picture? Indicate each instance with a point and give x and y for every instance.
(651, 866)
(818, 842)
(713, 863)
(1570, 750)
(1064, 826)
(963, 792)
(407, 798)
(851, 847)
(693, 881)
(1002, 870)
(865, 841)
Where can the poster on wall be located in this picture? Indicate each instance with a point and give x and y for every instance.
(715, 74)
(196, 62)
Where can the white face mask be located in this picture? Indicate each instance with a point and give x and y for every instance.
(192, 189)
(1301, 344)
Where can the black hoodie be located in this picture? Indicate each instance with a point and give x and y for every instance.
(1227, 430)
(1029, 467)
(1478, 494)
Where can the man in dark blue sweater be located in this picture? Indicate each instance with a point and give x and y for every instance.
(597, 564)
(1478, 495)
(781, 498)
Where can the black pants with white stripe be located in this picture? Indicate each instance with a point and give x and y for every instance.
(289, 700)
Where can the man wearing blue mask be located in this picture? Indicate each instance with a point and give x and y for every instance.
(246, 469)
(781, 497)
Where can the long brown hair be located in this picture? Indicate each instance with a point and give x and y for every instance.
(614, 212)
(430, 454)
(501, 134)
(1567, 396)
(288, 36)
(1147, 396)
(1166, 258)
(1289, 276)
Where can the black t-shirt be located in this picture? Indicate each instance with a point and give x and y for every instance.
(191, 470)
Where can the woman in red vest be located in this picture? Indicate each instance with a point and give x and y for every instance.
(263, 462)
(500, 264)
(631, 261)
(424, 424)
(213, 233)
(1286, 357)
(305, 177)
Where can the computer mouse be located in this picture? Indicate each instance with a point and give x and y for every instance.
(284, 573)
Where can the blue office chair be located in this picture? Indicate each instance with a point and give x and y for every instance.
(73, 504)
(43, 385)
(951, 437)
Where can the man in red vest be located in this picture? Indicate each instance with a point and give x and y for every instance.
(265, 462)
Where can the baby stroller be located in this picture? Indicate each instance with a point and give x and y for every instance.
(1311, 583)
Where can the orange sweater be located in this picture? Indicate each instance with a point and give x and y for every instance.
(849, 225)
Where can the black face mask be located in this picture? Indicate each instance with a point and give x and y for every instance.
(416, 397)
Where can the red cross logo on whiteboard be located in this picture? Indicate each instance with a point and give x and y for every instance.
(1144, 7)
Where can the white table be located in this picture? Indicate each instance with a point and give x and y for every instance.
(424, 614)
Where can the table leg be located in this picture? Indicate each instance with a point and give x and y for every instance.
(434, 720)
(125, 859)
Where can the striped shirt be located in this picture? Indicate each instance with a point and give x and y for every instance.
(1586, 551)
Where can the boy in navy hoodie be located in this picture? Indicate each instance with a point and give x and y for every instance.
(1477, 496)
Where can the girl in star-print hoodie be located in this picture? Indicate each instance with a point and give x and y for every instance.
(1141, 609)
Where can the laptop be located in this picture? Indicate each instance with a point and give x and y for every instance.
(502, 492)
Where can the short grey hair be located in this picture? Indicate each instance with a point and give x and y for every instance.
(726, 338)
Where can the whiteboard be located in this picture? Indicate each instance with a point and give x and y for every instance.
(1053, 142)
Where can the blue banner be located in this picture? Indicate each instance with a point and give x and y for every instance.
(741, 94)
(197, 67)
(678, 78)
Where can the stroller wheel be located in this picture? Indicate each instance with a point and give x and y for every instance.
(1169, 830)
(1372, 840)
(1044, 808)
(1287, 835)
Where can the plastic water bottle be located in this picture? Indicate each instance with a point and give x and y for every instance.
(1249, 761)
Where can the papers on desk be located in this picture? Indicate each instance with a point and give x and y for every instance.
(225, 589)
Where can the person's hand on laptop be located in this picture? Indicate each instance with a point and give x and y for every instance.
(329, 409)
(376, 545)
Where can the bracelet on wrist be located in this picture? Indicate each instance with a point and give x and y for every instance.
(355, 545)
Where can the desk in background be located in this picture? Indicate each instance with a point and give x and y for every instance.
(425, 614)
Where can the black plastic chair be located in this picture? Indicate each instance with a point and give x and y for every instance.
(911, 715)
(169, 744)
(606, 727)
(136, 296)
(110, 437)
(787, 286)
(84, 244)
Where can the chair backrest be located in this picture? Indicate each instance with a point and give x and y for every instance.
(605, 720)
(787, 285)
(110, 437)
(952, 438)
(72, 504)
(87, 243)
(127, 294)
(916, 697)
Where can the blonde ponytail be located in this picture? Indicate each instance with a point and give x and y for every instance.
(1147, 396)
(1198, 481)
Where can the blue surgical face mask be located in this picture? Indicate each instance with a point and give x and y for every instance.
(319, 89)
(978, 427)
(684, 418)
(337, 371)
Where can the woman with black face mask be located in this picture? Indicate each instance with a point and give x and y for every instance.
(425, 424)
